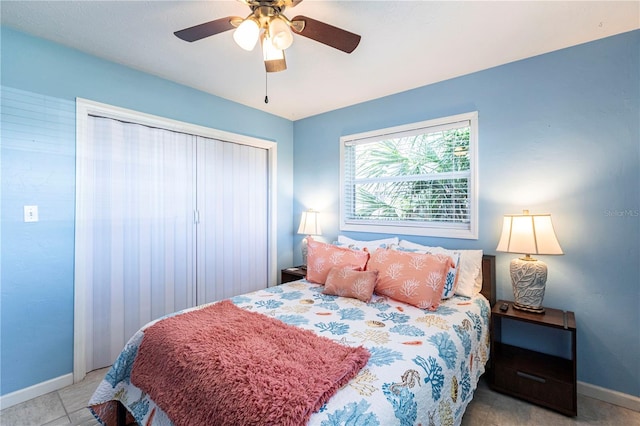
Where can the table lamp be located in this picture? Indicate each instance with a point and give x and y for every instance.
(528, 234)
(309, 225)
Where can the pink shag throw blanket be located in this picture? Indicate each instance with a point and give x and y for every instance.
(223, 365)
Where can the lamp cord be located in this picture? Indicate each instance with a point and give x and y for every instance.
(266, 96)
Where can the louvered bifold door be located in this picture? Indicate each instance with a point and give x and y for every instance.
(232, 215)
(135, 231)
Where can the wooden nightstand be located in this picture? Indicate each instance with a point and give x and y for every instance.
(292, 274)
(540, 378)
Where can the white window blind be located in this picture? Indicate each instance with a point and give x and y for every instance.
(417, 179)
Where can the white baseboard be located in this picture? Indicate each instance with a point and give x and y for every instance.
(35, 391)
(607, 395)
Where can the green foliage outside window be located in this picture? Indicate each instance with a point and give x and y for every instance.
(421, 177)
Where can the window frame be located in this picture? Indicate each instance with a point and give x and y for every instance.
(427, 229)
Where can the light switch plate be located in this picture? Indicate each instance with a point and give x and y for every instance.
(30, 213)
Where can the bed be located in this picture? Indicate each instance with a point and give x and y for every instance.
(422, 366)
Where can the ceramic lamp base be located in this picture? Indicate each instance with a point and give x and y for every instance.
(528, 278)
(305, 250)
(527, 308)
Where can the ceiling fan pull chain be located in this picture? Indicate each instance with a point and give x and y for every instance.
(266, 89)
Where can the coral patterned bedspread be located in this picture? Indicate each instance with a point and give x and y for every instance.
(423, 369)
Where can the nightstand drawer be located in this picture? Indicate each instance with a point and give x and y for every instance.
(543, 390)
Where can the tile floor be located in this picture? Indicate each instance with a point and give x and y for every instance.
(489, 408)
(68, 407)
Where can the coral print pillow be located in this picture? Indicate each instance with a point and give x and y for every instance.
(322, 257)
(413, 278)
(345, 282)
(451, 283)
(469, 275)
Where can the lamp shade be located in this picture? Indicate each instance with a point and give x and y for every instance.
(274, 60)
(246, 35)
(280, 32)
(528, 234)
(309, 224)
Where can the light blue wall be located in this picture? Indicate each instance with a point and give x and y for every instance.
(558, 133)
(37, 258)
(38, 162)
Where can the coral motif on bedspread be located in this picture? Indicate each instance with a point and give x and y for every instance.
(423, 369)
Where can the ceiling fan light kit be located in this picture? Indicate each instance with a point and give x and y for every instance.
(274, 60)
(281, 37)
(268, 23)
(246, 35)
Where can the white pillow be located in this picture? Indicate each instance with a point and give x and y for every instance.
(470, 278)
(372, 245)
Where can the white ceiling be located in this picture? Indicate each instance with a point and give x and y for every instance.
(405, 44)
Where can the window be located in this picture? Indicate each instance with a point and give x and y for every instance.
(417, 179)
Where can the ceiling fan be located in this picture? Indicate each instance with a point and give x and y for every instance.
(268, 23)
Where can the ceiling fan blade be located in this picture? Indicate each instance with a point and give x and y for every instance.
(207, 29)
(327, 34)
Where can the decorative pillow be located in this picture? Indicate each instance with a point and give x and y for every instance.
(322, 257)
(344, 281)
(413, 278)
(470, 267)
(372, 245)
(451, 284)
